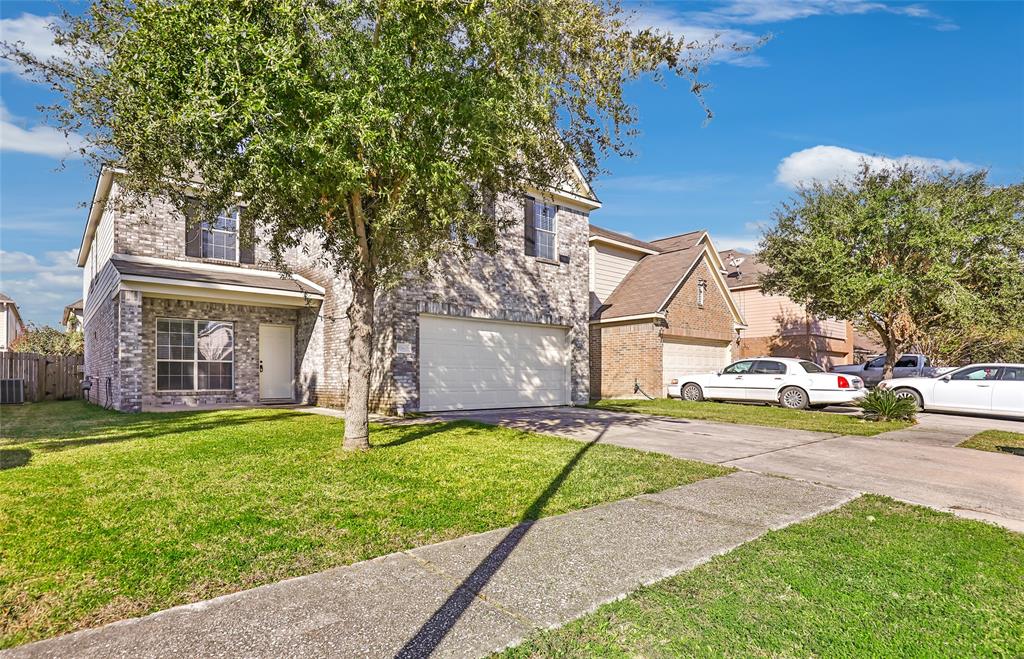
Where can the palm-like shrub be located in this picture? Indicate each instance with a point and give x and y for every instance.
(883, 405)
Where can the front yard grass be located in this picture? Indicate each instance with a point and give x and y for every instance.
(998, 441)
(876, 578)
(754, 415)
(105, 516)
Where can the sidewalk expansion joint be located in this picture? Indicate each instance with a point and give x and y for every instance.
(489, 601)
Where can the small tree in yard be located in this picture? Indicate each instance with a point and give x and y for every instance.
(917, 257)
(48, 340)
(374, 129)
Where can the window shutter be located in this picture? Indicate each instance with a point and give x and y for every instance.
(529, 235)
(246, 242)
(193, 230)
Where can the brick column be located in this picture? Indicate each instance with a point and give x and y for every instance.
(128, 396)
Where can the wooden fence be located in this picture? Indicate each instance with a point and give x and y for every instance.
(47, 377)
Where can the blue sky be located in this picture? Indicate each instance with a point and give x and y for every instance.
(939, 83)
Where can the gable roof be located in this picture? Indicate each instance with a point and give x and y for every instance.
(747, 274)
(646, 287)
(607, 235)
(681, 241)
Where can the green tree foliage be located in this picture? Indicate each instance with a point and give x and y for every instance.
(372, 129)
(914, 256)
(46, 340)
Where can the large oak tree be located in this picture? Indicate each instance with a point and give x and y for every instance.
(920, 258)
(374, 128)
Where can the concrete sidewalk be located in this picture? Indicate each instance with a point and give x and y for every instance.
(473, 595)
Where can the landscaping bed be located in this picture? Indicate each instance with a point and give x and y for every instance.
(874, 578)
(105, 516)
(755, 415)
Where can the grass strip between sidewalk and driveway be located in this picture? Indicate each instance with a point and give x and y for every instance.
(874, 578)
(105, 516)
(997, 441)
(753, 415)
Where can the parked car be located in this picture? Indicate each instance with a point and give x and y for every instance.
(907, 366)
(978, 388)
(792, 383)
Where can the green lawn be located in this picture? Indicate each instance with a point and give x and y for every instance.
(998, 441)
(105, 516)
(875, 578)
(755, 415)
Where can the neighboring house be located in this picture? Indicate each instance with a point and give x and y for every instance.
(11, 326)
(658, 309)
(778, 326)
(72, 318)
(196, 315)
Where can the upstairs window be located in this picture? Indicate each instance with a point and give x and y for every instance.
(220, 236)
(540, 230)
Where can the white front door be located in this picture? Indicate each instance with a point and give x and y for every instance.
(277, 362)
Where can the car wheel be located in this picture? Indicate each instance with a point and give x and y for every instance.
(692, 392)
(793, 398)
(912, 395)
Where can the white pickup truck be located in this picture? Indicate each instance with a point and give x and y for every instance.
(907, 366)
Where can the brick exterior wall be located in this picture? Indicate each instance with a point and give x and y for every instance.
(102, 353)
(626, 353)
(246, 320)
(505, 286)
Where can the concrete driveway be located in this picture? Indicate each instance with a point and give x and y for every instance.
(918, 465)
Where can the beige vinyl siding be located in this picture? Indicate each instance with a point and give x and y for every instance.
(766, 315)
(609, 266)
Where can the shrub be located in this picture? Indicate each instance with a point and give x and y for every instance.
(883, 405)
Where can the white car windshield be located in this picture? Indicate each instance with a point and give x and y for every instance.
(811, 367)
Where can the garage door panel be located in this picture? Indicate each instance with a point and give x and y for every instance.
(681, 358)
(467, 364)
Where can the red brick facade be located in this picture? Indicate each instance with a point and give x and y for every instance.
(627, 353)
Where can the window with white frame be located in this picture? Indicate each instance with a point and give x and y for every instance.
(220, 236)
(194, 355)
(702, 292)
(545, 230)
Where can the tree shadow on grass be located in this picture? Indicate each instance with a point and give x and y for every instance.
(53, 433)
(14, 457)
(437, 627)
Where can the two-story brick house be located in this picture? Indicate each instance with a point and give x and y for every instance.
(179, 314)
(658, 309)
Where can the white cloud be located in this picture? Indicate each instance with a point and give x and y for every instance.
(41, 286)
(16, 135)
(829, 163)
(722, 23)
(34, 32)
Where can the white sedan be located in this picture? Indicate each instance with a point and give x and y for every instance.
(977, 389)
(792, 383)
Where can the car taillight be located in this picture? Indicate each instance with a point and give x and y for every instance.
(843, 383)
(675, 381)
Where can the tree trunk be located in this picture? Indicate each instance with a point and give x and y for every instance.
(890, 358)
(360, 359)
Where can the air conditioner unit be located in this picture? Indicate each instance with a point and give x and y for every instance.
(12, 392)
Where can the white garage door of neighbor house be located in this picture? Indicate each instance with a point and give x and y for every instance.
(475, 364)
(682, 358)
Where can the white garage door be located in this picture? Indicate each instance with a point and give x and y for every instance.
(475, 364)
(693, 357)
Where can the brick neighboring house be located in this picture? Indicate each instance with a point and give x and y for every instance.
(178, 315)
(11, 325)
(777, 325)
(658, 309)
